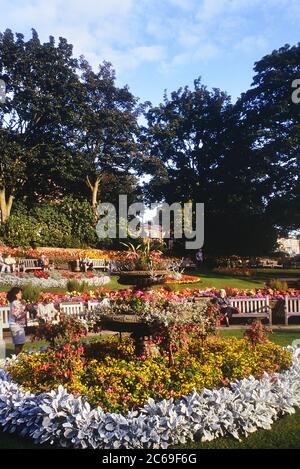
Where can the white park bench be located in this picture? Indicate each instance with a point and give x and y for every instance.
(4, 320)
(99, 264)
(4, 324)
(29, 264)
(291, 308)
(269, 263)
(72, 309)
(92, 305)
(252, 308)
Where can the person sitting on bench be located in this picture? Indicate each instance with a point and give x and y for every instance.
(44, 262)
(226, 309)
(86, 264)
(10, 262)
(3, 266)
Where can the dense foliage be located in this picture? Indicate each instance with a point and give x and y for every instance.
(68, 223)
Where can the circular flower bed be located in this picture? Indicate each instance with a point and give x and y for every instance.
(182, 279)
(63, 419)
(108, 373)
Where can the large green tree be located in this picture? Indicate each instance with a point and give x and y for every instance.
(107, 133)
(42, 90)
(272, 118)
(206, 156)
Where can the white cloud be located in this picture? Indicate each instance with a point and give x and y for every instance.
(250, 43)
(211, 8)
(99, 29)
(183, 4)
(130, 33)
(201, 52)
(132, 58)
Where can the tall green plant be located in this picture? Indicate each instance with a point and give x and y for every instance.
(31, 293)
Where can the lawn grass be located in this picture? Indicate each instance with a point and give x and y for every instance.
(208, 279)
(281, 337)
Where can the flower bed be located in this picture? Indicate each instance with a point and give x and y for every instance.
(60, 255)
(233, 271)
(110, 375)
(237, 410)
(182, 279)
(45, 280)
(162, 293)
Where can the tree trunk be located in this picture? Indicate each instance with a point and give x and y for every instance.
(94, 188)
(5, 205)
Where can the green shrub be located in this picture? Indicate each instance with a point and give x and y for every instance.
(31, 293)
(20, 230)
(69, 224)
(74, 285)
(84, 286)
(277, 284)
(54, 227)
(80, 215)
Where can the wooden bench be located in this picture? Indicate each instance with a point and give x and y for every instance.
(92, 305)
(4, 321)
(99, 264)
(291, 308)
(29, 264)
(4, 324)
(252, 308)
(72, 309)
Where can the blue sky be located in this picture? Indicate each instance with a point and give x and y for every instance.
(156, 45)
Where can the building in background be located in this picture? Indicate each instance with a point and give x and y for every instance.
(290, 245)
(152, 232)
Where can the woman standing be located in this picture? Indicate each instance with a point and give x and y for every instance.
(17, 318)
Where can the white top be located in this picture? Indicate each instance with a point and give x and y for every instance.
(47, 311)
(10, 260)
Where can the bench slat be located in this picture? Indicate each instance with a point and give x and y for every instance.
(29, 264)
(252, 307)
(291, 308)
(71, 309)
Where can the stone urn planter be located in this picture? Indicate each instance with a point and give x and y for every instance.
(143, 279)
(74, 265)
(131, 323)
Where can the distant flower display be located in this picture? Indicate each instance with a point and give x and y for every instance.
(161, 293)
(45, 280)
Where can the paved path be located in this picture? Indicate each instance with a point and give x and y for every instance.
(276, 327)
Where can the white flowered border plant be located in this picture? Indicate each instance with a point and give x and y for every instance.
(50, 282)
(64, 420)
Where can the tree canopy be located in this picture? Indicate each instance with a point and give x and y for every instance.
(68, 130)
